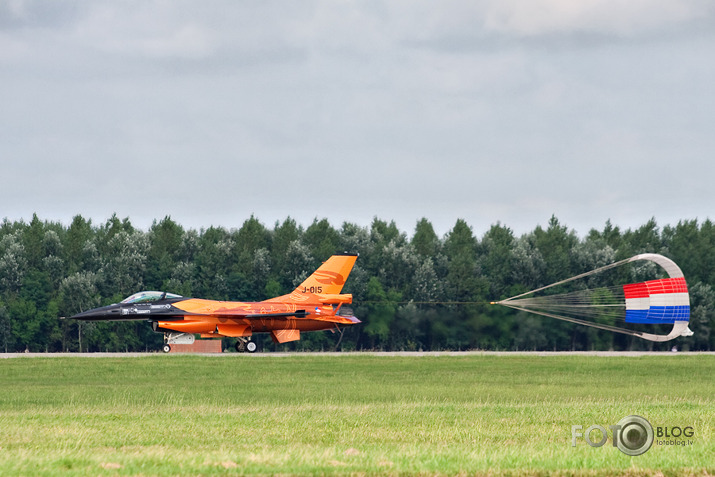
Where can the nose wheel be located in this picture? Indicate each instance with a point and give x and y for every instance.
(174, 337)
(243, 345)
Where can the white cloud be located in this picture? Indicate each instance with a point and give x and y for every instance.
(604, 17)
(148, 29)
(482, 110)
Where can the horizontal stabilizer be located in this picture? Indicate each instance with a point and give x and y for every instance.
(337, 319)
(335, 299)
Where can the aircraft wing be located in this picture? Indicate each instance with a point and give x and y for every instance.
(339, 319)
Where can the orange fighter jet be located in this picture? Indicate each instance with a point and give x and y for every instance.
(314, 305)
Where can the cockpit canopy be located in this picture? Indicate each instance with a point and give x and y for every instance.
(148, 297)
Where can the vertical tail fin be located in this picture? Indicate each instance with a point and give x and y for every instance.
(328, 279)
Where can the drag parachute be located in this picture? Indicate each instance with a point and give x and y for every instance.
(661, 301)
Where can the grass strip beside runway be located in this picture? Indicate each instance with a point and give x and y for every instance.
(313, 414)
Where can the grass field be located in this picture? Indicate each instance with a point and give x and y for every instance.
(313, 414)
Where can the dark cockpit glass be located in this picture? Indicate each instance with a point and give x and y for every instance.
(148, 297)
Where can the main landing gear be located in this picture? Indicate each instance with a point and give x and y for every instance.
(243, 345)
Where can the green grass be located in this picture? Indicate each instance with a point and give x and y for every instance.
(313, 414)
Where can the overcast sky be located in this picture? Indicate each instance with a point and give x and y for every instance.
(491, 111)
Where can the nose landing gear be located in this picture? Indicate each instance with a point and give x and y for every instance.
(174, 337)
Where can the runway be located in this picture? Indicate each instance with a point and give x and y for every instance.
(414, 354)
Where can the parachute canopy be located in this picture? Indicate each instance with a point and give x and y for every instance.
(657, 301)
(662, 301)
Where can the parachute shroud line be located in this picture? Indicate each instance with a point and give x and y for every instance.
(661, 301)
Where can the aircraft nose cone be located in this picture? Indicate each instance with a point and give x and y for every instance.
(97, 313)
(85, 315)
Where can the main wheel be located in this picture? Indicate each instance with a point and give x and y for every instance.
(240, 346)
(166, 348)
(251, 347)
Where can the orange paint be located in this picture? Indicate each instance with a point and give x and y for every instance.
(313, 306)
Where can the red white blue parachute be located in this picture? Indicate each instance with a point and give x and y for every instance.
(663, 301)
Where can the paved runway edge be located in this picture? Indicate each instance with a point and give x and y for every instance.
(416, 354)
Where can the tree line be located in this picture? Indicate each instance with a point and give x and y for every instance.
(412, 292)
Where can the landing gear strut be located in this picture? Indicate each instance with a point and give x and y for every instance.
(173, 337)
(244, 344)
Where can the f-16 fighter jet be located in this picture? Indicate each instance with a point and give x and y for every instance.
(315, 305)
